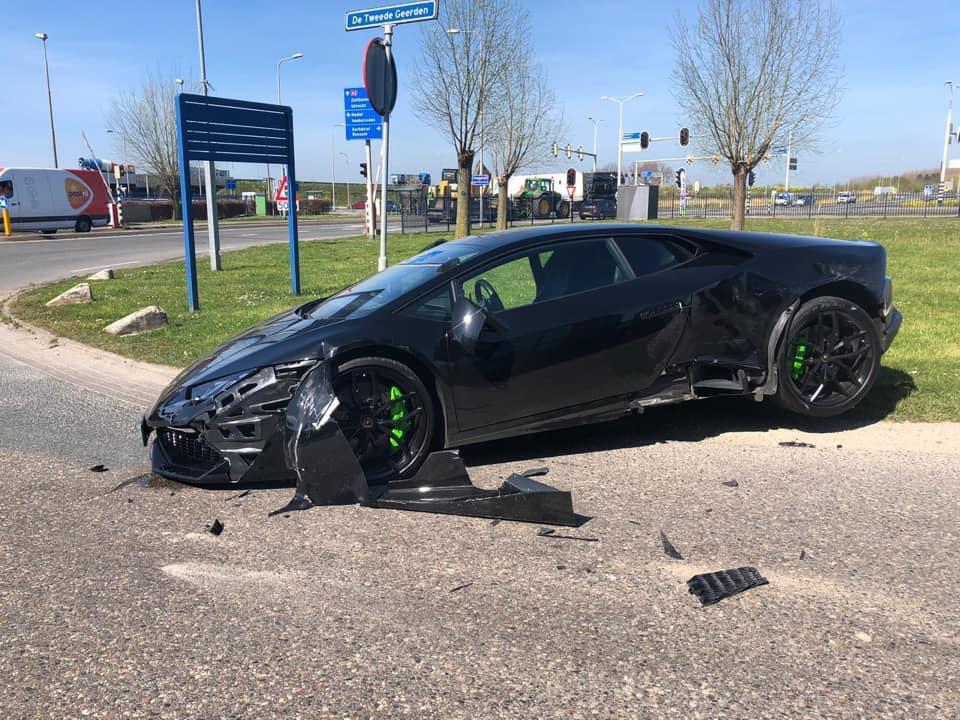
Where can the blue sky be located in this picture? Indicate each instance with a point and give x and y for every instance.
(896, 57)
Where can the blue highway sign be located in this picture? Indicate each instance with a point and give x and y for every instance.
(480, 180)
(631, 136)
(361, 120)
(392, 15)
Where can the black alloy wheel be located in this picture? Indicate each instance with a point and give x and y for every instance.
(829, 358)
(386, 414)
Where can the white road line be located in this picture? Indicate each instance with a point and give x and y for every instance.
(101, 267)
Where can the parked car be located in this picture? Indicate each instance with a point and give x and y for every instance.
(805, 200)
(598, 209)
(783, 198)
(530, 330)
(359, 205)
(847, 196)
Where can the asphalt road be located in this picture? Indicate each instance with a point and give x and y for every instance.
(33, 258)
(120, 603)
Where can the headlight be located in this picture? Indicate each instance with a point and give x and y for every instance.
(206, 391)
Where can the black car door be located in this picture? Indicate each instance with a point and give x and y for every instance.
(572, 327)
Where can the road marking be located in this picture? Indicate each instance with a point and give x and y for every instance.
(103, 267)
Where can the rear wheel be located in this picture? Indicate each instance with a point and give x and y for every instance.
(563, 209)
(83, 224)
(543, 207)
(386, 414)
(829, 358)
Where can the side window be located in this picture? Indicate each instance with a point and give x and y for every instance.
(6, 188)
(435, 306)
(546, 273)
(649, 254)
(512, 283)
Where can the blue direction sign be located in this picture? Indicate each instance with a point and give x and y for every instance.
(631, 136)
(361, 120)
(480, 180)
(392, 15)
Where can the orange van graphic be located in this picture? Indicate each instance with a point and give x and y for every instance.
(78, 194)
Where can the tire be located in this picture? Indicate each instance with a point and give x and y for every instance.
(543, 207)
(828, 359)
(563, 209)
(83, 224)
(51, 231)
(368, 417)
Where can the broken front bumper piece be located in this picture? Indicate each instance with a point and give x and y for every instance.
(328, 472)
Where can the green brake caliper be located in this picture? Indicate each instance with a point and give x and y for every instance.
(398, 410)
(799, 355)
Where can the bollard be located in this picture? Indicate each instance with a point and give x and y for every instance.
(6, 223)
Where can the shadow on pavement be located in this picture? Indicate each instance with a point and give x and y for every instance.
(692, 421)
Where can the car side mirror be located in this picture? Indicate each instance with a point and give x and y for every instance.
(469, 320)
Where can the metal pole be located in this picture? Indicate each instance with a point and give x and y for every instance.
(46, 71)
(209, 171)
(333, 170)
(482, 68)
(619, 142)
(595, 146)
(382, 260)
(946, 144)
(369, 209)
(786, 181)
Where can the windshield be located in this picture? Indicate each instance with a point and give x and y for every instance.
(385, 287)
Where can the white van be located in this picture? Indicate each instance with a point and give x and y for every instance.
(48, 200)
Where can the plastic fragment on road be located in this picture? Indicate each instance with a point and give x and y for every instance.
(713, 587)
(461, 587)
(730, 483)
(217, 527)
(552, 533)
(796, 444)
(668, 547)
(328, 472)
(99, 468)
(239, 495)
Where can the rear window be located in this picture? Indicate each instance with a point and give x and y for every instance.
(650, 253)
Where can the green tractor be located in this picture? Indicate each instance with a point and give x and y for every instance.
(538, 198)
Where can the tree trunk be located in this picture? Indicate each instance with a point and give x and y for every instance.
(502, 202)
(739, 196)
(465, 168)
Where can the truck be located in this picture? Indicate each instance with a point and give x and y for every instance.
(47, 200)
(545, 194)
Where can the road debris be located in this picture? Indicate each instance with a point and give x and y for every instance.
(552, 533)
(668, 547)
(216, 528)
(99, 468)
(797, 444)
(730, 483)
(461, 587)
(240, 495)
(713, 587)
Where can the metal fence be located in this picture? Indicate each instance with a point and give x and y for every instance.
(808, 204)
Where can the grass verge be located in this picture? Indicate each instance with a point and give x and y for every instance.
(920, 379)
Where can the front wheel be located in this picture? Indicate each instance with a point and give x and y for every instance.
(386, 414)
(83, 224)
(829, 358)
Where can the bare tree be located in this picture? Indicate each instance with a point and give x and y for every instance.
(147, 120)
(752, 73)
(459, 74)
(524, 120)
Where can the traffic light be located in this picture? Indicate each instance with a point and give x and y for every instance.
(644, 140)
(793, 163)
(363, 169)
(684, 137)
(679, 179)
(580, 152)
(751, 178)
(567, 151)
(554, 148)
(571, 177)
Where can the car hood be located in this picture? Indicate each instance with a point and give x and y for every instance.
(288, 337)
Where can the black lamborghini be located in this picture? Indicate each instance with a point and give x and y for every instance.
(529, 330)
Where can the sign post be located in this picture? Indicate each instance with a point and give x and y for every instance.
(380, 77)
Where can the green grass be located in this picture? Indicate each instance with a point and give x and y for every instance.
(920, 378)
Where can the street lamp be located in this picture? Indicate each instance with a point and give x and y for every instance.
(483, 66)
(620, 102)
(595, 123)
(179, 82)
(946, 143)
(42, 37)
(333, 167)
(295, 56)
(123, 138)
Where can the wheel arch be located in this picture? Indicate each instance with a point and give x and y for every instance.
(847, 290)
(426, 376)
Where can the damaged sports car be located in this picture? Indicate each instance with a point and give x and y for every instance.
(528, 330)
